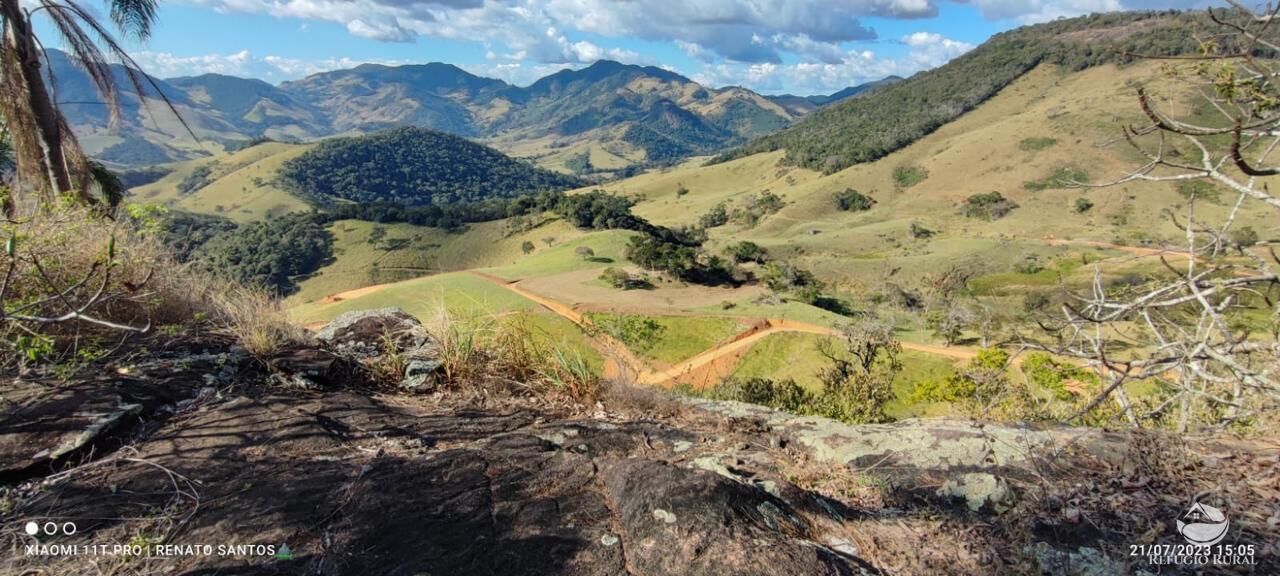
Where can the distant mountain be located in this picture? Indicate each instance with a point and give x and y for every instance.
(637, 113)
(804, 104)
(886, 119)
(414, 166)
(253, 106)
(372, 97)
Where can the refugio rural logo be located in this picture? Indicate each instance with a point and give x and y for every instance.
(1204, 527)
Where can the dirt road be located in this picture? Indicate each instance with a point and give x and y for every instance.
(702, 370)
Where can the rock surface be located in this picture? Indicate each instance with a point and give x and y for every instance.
(209, 449)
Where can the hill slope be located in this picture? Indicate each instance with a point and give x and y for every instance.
(413, 166)
(864, 129)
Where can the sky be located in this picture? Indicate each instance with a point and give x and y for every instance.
(771, 46)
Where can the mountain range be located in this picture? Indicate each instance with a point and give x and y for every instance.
(638, 114)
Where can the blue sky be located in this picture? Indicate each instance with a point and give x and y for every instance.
(773, 46)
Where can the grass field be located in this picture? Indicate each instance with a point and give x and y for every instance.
(677, 338)
(471, 300)
(240, 184)
(796, 356)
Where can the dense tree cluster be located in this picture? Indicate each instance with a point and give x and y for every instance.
(863, 129)
(270, 253)
(413, 166)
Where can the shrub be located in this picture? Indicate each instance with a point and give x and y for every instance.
(527, 247)
(1083, 205)
(1200, 190)
(1062, 177)
(639, 333)
(981, 380)
(1043, 371)
(1244, 237)
(988, 206)
(851, 200)
(717, 216)
(257, 319)
(747, 251)
(919, 232)
(1036, 144)
(909, 175)
(585, 252)
(619, 278)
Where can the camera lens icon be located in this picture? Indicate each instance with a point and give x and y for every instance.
(32, 528)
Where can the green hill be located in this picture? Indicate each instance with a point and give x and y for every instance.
(413, 166)
(863, 129)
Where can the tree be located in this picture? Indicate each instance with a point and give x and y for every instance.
(585, 252)
(861, 365)
(851, 200)
(48, 155)
(1187, 326)
(527, 247)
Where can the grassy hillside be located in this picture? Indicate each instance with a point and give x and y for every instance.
(239, 185)
(864, 129)
(1048, 120)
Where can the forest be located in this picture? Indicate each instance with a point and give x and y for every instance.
(414, 167)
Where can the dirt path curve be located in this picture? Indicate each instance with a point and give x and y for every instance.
(619, 361)
(736, 345)
(703, 369)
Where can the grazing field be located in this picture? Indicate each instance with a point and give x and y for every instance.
(238, 185)
(668, 339)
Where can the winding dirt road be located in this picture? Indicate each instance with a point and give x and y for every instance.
(702, 370)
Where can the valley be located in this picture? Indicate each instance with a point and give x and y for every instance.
(741, 287)
(1042, 124)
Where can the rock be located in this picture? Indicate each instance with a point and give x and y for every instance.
(368, 333)
(979, 490)
(677, 520)
(420, 375)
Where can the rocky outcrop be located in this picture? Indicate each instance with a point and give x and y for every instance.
(369, 334)
(211, 449)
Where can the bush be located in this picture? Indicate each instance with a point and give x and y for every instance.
(988, 206)
(981, 380)
(851, 200)
(622, 279)
(1200, 190)
(747, 251)
(1083, 205)
(1043, 371)
(909, 175)
(1244, 237)
(638, 333)
(1063, 177)
(1036, 144)
(717, 216)
(919, 232)
(117, 275)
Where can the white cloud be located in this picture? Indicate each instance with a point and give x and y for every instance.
(927, 50)
(244, 63)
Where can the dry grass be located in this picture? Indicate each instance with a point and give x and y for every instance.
(78, 284)
(257, 319)
(508, 353)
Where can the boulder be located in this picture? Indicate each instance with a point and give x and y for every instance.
(370, 332)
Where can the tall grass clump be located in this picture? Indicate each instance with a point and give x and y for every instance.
(508, 353)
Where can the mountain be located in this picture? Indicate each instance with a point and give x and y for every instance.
(801, 105)
(867, 128)
(254, 107)
(619, 114)
(412, 166)
(372, 97)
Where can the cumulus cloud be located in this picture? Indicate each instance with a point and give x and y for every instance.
(927, 50)
(244, 63)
